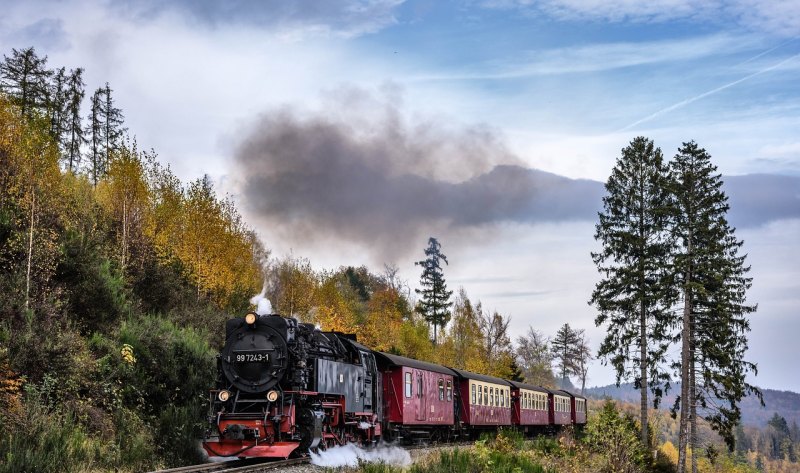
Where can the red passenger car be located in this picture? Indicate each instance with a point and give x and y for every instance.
(578, 409)
(418, 396)
(530, 406)
(485, 400)
(560, 408)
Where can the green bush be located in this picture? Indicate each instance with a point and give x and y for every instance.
(616, 438)
(46, 441)
(96, 295)
(483, 460)
(173, 366)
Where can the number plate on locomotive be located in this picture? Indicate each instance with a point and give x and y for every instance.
(260, 356)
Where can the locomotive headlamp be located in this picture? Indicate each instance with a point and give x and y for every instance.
(272, 396)
(223, 395)
(250, 318)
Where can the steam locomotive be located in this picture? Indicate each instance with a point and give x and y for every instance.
(285, 387)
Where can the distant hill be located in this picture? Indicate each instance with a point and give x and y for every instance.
(785, 403)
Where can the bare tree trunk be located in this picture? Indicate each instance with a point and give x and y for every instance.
(30, 249)
(686, 340)
(643, 373)
(682, 433)
(643, 326)
(693, 404)
(124, 233)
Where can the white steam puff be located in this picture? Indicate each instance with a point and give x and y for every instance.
(351, 455)
(263, 305)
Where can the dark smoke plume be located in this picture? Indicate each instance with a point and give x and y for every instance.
(360, 172)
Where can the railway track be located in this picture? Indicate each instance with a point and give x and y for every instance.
(255, 465)
(236, 466)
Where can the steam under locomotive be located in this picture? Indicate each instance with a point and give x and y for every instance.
(285, 387)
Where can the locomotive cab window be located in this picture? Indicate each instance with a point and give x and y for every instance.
(441, 389)
(449, 390)
(408, 384)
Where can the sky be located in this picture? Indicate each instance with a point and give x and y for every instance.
(348, 131)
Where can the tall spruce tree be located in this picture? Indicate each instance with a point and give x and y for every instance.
(713, 281)
(105, 131)
(112, 124)
(635, 295)
(24, 77)
(564, 347)
(94, 129)
(73, 131)
(56, 105)
(435, 303)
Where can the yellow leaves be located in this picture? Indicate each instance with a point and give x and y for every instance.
(670, 452)
(127, 354)
(125, 196)
(10, 388)
(384, 320)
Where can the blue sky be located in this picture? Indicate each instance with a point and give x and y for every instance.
(438, 96)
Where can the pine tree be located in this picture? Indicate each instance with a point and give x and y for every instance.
(73, 131)
(94, 129)
(24, 76)
(713, 281)
(105, 131)
(112, 124)
(564, 349)
(635, 294)
(435, 303)
(57, 99)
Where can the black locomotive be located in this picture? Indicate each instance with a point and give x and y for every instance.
(284, 385)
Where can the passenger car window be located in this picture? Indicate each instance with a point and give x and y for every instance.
(473, 394)
(419, 385)
(408, 384)
(441, 389)
(449, 390)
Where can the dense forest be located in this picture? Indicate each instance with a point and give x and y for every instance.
(116, 278)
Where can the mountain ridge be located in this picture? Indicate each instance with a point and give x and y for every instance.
(783, 402)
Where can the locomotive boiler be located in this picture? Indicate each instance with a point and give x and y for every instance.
(285, 387)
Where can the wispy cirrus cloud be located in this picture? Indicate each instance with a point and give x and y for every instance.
(602, 57)
(775, 17)
(713, 91)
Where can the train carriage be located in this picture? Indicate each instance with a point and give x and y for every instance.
(485, 401)
(578, 409)
(561, 408)
(530, 406)
(419, 396)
